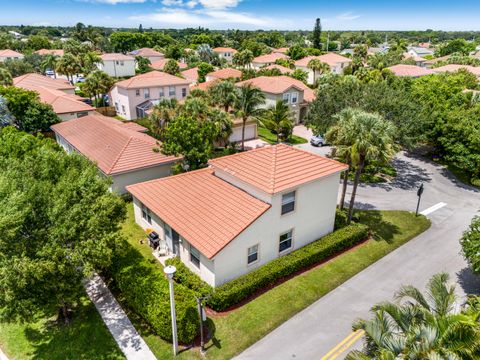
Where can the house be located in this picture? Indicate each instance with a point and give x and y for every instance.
(292, 92)
(132, 97)
(409, 70)
(282, 50)
(420, 51)
(337, 64)
(419, 61)
(160, 64)
(225, 53)
(8, 54)
(55, 52)
(454, 68)
(432, 62)
(266, 60)
(191, 75)
(150, 54)
(242, 212)
(117, 65)
(32, 80)
(283, 70)
(251, 130)
(227, 73)
(121, 150)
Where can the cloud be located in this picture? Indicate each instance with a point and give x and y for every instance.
(219, 4)
(172, 2)
(115, 2)
(236, 18)
(348, 16)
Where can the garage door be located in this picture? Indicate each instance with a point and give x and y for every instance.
(250, 132)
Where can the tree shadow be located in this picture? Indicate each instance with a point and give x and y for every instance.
(214, 342)
(381, 230)
(469, 281)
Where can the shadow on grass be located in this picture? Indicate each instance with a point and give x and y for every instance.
(381, 229)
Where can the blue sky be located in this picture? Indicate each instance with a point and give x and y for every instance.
(248, 14)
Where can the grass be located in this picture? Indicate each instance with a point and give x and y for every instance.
(85, 338)
(271, 138)
(235, 331)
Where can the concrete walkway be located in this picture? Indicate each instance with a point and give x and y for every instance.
(2, 355)
(122, 330)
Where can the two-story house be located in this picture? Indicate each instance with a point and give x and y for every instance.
(242, 212)
(134, 96)
(149, 53)
(117, 65)
(337, 63)
(225, 53)
(8, 54)
(266, 60)
(292, 92)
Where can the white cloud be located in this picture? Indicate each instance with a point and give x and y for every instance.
(219, 4)
(172, 2)
(115, 2)
(236, 18)
(191, 4)
(348, 16)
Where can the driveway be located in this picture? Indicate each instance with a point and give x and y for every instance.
(316, 330)
(302, 131)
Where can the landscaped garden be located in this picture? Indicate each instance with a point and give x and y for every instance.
(271, 138)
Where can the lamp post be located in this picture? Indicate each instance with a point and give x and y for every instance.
(169, 271)
(201, 312)
(419, 194)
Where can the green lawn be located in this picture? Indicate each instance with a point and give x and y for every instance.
(241, 328)
(85, 338)
(267, 136)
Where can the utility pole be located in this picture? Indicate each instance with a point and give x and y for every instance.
(202, 317)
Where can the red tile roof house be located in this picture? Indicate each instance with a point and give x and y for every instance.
(455, 67)
(191, 75)
(150, 54)
(8, 54)
(160, 64)
(226, 73)
(225, 53)
(55, 52)
(134, 96)
(117, 65)
(242, 212)
(266, 60)
(413, 71)
(291, 91)
(336, 63)
(121, 150)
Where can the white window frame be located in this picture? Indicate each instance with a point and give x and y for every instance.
(294, 95)
(146, 214)
(285, 240)
(194, 256)
(123, 109)
(256, 252)
(172, 91)
(184, 92)
(137, 92)
(286, 98)
(161, 93)
(288, 202)
(146, 93)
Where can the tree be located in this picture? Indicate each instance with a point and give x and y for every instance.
(296, 52)
(223, 125)
(97, 83)
(249, 99)
(68, 65)
(365, 137)
(89, 62)
(456, 46)
(171, 67)
(37, 42)
(203, 69)
(278, 119)
(470, 242)
(60, 201)
(5, 77)
(223, 94)
(243, 58)
(317, 34)
(143, 64)
(205, 53)
(50, 62)
(162, 114)
(319, 67)
(17, 67)
(420, 326)
(299, 74)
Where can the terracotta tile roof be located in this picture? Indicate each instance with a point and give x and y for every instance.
(116, 57)
(269, 58)
(409, 70)
(205, 85)
(191, 74)
(146, 52)
(56, 52)
(331, 59)
(62, 103)
(33, 80)
(455, 67)
(224, 49)
(282, 50)
(226, 73)
(205, 210)
(160, 64)
(277, 168)
(415, 58)
(277, 84)
(283, 70)
(151, 79)
(113, 145)
(435, 60)
(10, 53)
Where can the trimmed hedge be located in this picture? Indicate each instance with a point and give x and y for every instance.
(340, 219)
(188, 278)
(237, 290)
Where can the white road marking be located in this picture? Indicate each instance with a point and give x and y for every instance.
(433, 208)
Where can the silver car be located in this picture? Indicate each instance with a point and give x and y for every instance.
(317, 140)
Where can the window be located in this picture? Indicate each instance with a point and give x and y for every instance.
(288, 202)
(146, 214)
(123, 109)
(116, 62)
(252, 254)
(137, 92)
(285, 241)
(194, 256)
(116, 105)
(121, 63)
(171, 90)
(184, 92)
(161, 92)
(146, 93)
(286, 98)
(82, 113)
(294, 97)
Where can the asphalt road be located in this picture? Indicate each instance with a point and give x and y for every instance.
(313, 332)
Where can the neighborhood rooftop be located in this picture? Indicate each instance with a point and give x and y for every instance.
(409, 70)
(330, 58)
(116, 57)
(32, 80)
(62, 103)
(152, 78)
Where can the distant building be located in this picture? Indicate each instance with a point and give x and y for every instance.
(227, 73)
(268, 59)
(150, 54)
(55, 52)
(337, 64)
(8, 54)
(160, 64)
(117, 65)
(413, 71)
(225, 53)
(420, 51)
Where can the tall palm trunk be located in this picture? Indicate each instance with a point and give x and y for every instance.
(244, 121)
(358, 172)
(344, 187)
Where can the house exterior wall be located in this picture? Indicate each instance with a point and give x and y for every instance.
(118, 68)
(154, 58)
(74, 115)
(3, 58)
(226, 55)
(250, 133)
(271, 100)
(335, 69)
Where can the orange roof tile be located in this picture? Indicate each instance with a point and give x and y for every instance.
(113, 145)
(275, 84)
(283, 70)
(160, 64)
(146, 52)
(205, 210)
(56, 52)
(269, 58)
(151, 79)
(331, 59)
(33, 80)
(435, 60)
(455, 67)
(191, 74)
(226, 73)
(409, 70)
(205, 85)
(224, 49)
(277, 168)
(62, 103)
(282, 50)
(116, 57)
(10, 53)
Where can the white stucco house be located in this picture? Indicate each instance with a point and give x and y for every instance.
(149, 53)
(225, 53)
(242, 212)
(268, 59)
(117, 65)
(337, 64)
(134, 96)
(420, 51)
(8, 54)
(122, 151)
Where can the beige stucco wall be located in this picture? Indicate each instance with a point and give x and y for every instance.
(336, 69)
(74, 115)
(250, 133)
(122, 69)
(120, 181)
(271, 100)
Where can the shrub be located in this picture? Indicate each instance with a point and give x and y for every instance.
(188, 278)
(235, 291)
(340, 219)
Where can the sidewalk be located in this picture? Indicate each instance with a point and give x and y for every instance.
(122, 330)
(3, 356)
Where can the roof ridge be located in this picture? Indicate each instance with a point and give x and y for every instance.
(120, 154)
(274, 166)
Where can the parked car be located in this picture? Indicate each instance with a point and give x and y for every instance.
(49, 73)
(79, 79)
(317, 140)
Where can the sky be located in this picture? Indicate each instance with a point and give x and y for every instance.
(248, 14)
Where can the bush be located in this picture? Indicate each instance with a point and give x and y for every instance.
(235, 291)
(340, 219)
(188, 278)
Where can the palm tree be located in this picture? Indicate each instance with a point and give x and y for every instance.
(90, 61)
(278, 119)
(224, 125)
(5, 77)
(248, 100)
(243, 58)
(68, 65)
(319, 67)
(367, 136)
(96, 84)
(223, 94)
(163, 113)
(50, 62)
(420, 326)
(196, 107)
